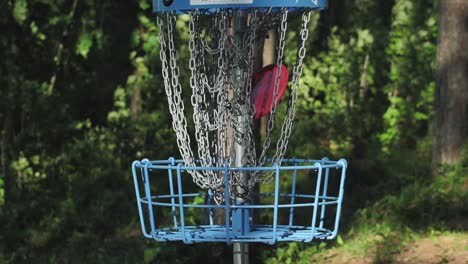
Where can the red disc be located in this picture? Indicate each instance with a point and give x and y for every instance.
(262, 97)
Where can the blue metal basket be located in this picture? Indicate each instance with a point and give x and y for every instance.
(309, 209)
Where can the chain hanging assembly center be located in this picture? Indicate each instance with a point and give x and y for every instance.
(222, 59)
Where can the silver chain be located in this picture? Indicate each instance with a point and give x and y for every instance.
(221, 66)
(286, 128)
(297, 73)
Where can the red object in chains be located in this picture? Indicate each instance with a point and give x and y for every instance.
(263, 83)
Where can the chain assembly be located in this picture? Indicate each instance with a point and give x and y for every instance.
(224, 47)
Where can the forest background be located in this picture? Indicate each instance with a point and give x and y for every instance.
(81, 98)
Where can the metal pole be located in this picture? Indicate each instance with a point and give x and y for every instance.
(240, 253)
(240, 217)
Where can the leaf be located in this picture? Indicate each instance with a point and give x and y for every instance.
(20, 11)
(340, 241)
(35, 31)
(144, 5)
(150, 254)
(85, 42)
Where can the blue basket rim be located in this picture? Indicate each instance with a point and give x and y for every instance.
(301, 164)
(183, 6)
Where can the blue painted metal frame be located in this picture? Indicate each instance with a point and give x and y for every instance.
(269, 233)
(182, 6)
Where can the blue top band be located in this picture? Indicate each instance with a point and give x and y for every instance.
(182, 6)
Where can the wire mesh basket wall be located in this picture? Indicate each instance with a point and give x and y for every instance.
(302, 203)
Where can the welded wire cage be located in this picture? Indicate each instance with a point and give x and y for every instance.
(302, 203)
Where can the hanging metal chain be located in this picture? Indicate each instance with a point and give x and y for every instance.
(221, 66)
(198, 100)
(243, 109)
(271, 120)
(173, 91)
(297, 73)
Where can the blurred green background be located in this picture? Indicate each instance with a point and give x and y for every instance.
(82, 97)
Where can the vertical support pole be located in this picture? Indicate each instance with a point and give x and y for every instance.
(138, 196)
(171, 186)
(240, 216)
(226, 195)
(293, 194)
(210, 212)
(344, 166)
(181, 202)
(324, 193)
(148, 196)
(316, 201)
(275, 209)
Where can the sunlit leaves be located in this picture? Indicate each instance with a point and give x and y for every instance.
(411, 52)
(20, 11)
(331, 89)
(364, 39)
(120, 103)
(35, 31)
(144, 4)
(26, 171)
(85, 42)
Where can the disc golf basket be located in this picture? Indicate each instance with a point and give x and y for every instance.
(211, 194)
(238, 222)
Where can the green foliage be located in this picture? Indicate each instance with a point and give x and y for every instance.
(85, 42)
(82, 97)
(23, 169)
(121, 111)
(20, 11)
(420, 209)
(295, 253)
(411, 55)
(332, 93)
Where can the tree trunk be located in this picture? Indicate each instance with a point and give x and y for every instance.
(135, 104)
(451, 96)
